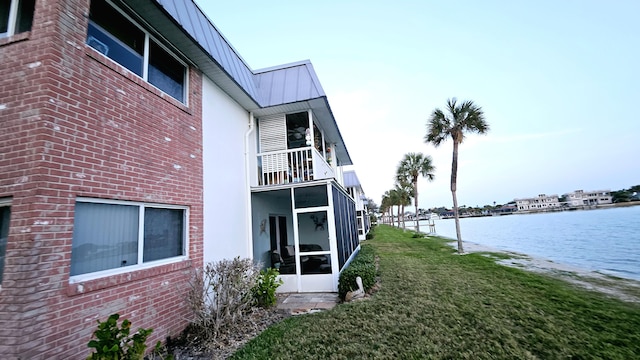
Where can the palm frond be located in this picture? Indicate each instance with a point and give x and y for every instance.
(460, 118)
(437, 128)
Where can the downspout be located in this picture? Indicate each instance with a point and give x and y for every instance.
(247, 179)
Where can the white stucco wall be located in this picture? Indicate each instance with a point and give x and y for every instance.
(226, 217)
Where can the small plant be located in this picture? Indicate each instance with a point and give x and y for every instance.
(264, 291)
(112, 342)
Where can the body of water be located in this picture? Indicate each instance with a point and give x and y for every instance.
(603, 240)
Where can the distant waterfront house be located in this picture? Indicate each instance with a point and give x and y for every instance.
(445, 214)
(135, 145)
(588, 198)
(506, 209)
(540, 203)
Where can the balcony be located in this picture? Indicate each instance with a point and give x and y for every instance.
(292, 166)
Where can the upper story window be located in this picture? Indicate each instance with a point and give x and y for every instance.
(5, 215)
(298, 132)
(16, 16)
(116, 236)
(119, 38)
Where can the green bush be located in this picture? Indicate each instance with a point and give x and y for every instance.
(114, 343)
(363, 265)
(371, 234)
(264, 291)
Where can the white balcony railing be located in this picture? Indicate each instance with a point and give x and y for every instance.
(292, 166)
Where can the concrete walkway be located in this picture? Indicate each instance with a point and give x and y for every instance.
(304, 303)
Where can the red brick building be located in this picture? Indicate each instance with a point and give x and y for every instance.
(90, 138)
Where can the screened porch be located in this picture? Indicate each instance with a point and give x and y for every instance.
(307, 231)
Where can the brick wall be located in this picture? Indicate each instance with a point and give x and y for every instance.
(73, 123)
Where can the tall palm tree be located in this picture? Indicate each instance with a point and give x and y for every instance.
(458, 119)
(412, 166)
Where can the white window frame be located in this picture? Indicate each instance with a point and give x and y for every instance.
(145, 61)
(140, 265)
(11, 25)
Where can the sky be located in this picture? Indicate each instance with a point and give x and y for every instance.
(558, 81)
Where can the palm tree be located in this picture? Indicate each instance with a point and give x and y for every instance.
(412, 166)
(386, 207)
(458, 120)
(393, 199)
(404, 194)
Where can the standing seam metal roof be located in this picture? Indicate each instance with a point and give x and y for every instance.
(351, 179)
(273, 84)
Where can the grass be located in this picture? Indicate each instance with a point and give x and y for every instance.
(437, 305)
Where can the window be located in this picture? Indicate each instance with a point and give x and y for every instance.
(110, 235)
(16, 16)
(298, 133)
(311, 196)
(5, 215)
(120, 39)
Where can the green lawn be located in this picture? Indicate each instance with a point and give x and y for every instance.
(438, 305)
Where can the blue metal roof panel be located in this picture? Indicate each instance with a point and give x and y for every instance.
(288, 83)
(170, 6)
(209, 43)
(182, 12)
(351, 179)
(291, 76)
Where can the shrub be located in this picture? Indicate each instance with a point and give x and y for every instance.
(363, 265)
(220, 295)
(264, 292)
(113, 341)
(371, 234)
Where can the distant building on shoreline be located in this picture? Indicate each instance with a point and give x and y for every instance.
(588, 198)
(572, 200)
(540, 203)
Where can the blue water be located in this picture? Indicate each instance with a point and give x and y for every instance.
(603, 240)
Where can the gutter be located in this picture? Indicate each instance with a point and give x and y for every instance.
(247, 180)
